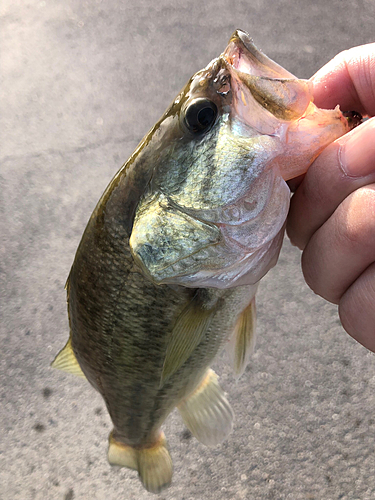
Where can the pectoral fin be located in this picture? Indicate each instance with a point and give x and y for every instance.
(242, 342)
(66, 361)
(187, 333)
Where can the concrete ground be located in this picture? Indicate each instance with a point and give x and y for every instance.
(81, 83)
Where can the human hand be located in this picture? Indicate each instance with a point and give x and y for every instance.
(332, 213)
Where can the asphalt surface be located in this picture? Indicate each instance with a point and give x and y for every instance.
(81, 83)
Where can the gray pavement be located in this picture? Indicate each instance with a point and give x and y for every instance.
(81, 83)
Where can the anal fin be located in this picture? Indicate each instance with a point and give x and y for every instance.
(241, 345)
(66, 361)
(206, 412)
(154, 463)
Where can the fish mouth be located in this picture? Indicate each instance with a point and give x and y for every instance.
(270, 100)
(265, 94)
(242, 55)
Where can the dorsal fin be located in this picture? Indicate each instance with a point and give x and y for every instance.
(67, 362)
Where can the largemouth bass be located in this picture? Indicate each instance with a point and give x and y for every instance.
(167, 269)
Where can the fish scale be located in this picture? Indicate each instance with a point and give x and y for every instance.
(168, 266)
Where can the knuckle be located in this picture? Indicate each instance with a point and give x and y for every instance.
(355, 225)
(347, 317)
(356, 310)
(314, 272)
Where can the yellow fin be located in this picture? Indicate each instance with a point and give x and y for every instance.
(122, 454)
(66, 361)
(206, 412)
(67, 285)
(187, 333)
(242, 342)
(154, 463)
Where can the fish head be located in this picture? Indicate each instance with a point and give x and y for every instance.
(214, 209)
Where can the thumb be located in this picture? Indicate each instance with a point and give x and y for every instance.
(348, 80)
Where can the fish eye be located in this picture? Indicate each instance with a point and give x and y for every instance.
(200, 115)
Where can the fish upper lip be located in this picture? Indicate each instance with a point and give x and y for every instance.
(239, 38)
(241, 54)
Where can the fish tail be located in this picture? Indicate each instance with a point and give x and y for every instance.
(206, 412)
(153, 463)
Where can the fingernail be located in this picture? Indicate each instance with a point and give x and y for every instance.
(357, 150)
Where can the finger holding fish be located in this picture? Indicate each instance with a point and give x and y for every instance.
(348, 80)
(334, 175)
(332, 211)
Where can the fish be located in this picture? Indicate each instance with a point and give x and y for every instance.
(168, 266)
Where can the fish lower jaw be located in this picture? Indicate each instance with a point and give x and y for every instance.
(307, 137)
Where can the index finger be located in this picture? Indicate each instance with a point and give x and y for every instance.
(348, 80)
